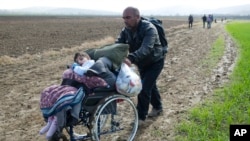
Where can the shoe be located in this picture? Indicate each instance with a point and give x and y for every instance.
(52, 128)
(155, 113)
(144, 123)
(141, 122)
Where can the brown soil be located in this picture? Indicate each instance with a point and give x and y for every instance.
(42, 47)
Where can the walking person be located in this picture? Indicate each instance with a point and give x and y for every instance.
(146, 51)
(209, 20)
(204, 20)
(211, 16)
(190, 21)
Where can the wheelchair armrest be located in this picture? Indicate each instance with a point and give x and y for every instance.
(103, 89)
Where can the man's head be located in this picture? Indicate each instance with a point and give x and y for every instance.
(131, 17)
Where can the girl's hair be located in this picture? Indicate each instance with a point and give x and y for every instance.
(83, 54)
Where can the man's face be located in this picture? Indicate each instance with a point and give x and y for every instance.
(130, 19)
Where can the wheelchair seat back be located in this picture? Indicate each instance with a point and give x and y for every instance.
(91, 100)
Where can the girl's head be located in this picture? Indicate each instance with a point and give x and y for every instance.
(81, 58)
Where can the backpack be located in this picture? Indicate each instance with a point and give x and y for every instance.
(158, 24)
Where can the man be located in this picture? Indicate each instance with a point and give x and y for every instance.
(146, 51)
(190, 21)
(204, 20)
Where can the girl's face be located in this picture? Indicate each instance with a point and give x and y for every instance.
(81, 60)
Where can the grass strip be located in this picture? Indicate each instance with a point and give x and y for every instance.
(210, 121)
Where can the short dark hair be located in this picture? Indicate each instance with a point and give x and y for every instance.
(135, 10)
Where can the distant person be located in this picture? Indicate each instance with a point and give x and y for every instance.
(209, 20)
(190, 21)
(212, 19)
(204, 20)
(146, 51)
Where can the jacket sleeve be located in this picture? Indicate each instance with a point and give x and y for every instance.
(147, 46)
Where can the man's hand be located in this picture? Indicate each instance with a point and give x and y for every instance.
(127, 61)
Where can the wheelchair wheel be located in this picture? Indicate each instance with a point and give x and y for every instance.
(80, 131)
(121, 119)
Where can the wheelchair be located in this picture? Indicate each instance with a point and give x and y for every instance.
(105, 115)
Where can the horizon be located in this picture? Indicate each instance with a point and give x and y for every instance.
(119, 5)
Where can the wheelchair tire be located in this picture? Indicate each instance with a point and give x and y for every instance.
(121, 119)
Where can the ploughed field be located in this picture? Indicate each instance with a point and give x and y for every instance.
(32, 35)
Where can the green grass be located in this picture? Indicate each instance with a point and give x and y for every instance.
(210, 121)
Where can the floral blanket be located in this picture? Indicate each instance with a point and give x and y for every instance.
(89, 81)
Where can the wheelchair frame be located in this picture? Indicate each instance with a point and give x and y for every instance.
(105, 115)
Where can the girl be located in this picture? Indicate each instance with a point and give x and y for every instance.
(82, 62)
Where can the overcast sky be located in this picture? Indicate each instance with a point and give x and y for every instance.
(119, 5)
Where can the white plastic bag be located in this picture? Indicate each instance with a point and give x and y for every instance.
(128, 82)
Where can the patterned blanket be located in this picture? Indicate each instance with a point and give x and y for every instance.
(56, 97)
(91, 82)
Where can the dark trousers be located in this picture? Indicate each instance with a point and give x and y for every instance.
(149, 93)
(204, 24)
(190, 24)
(208, 24)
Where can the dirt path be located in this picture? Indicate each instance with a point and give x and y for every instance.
(183, 83)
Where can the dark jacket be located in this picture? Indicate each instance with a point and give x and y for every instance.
(103, 69)
(204, 18)
(144, 45)
(190, 18)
